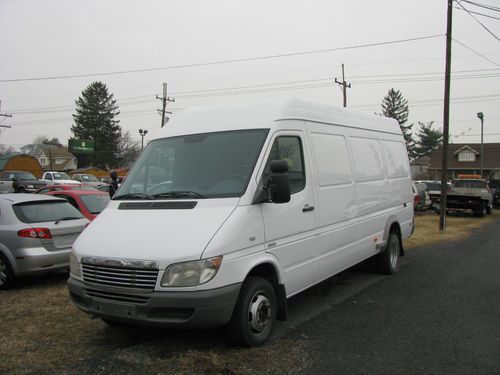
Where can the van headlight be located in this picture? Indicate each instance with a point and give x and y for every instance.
(74, 266)
(191, 273)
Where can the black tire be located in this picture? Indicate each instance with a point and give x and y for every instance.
(481, 212)
(388, 260)
(20, 189)
(489, 209)
(254, 314)
(7, 277)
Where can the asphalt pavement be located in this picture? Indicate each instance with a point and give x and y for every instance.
(439, 315)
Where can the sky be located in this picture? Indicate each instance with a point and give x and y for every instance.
(233, 51)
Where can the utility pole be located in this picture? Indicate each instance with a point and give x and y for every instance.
(446, 121)
(4, 115)
(343, 86)
(481, 117)
(165, 99)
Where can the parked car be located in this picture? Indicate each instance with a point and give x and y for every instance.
(58, 178)
(470, 195)
(19, 182)
(36, 235)
(89, 202)
(422, 201)
(59, 187)
(434, 189)
(88, 179)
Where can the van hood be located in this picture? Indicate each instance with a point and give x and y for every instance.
(166, 235)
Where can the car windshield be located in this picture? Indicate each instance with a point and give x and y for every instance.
(61, 176)
(208, 165)
(433, 186)
(95, 203)
(25, 176)
(43, 211)
(89, 178)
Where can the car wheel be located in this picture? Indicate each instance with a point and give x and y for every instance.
(255, 313)
(388, 260)
(7, 277)
(482, 211)
(20, 189)
(489, 209)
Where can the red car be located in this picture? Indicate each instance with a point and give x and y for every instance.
(89, 202)
(59, 187)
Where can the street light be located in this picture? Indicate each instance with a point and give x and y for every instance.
(481, 117)
(142, 134)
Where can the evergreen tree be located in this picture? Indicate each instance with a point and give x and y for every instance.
(395, 106)
(94, 120)
(428, 140)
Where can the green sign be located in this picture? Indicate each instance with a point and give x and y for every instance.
(79, 146)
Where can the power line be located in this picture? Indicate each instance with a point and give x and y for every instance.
(485, 6)
(477, 53)
(479, 14)
(223, 61)
(479, 22)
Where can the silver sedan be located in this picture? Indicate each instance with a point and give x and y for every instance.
(36, 235)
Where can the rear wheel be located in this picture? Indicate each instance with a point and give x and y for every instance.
(255, 313)
(7, 277)
(388, 260)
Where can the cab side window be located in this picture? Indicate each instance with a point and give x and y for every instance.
(288, 148)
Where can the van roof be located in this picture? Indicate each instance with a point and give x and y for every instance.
(264, 114)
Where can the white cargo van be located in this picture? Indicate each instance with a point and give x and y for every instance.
(232, 210)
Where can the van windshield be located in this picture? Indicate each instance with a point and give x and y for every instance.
(207, 165)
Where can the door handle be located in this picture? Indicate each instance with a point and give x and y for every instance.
(308, 208)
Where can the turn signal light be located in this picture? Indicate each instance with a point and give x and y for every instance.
(43, 233)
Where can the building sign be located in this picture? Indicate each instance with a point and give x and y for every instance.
(78, 146)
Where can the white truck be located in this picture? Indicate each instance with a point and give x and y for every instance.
(257, 203)
(52, 178)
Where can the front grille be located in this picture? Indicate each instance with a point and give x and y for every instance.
(119, 297)
(122, 277)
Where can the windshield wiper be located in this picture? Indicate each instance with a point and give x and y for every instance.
(67, 218)
(179, 194)
(133, 196)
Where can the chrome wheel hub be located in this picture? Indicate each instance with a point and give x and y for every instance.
(394, 254)
(259, 312)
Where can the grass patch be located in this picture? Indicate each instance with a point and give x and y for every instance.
(457, 228)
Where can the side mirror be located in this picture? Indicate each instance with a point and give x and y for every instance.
(280, 183)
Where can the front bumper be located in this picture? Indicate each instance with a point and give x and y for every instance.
(196, 309)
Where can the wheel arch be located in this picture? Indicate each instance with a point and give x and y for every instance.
(392, 226)
(4, 251)
(268, 270)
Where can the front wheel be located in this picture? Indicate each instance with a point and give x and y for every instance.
(388, 260)
(482, 211)
(255, 313)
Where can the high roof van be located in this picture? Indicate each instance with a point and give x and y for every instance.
(230, 211)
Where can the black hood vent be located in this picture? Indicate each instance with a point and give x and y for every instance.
(158, 205)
